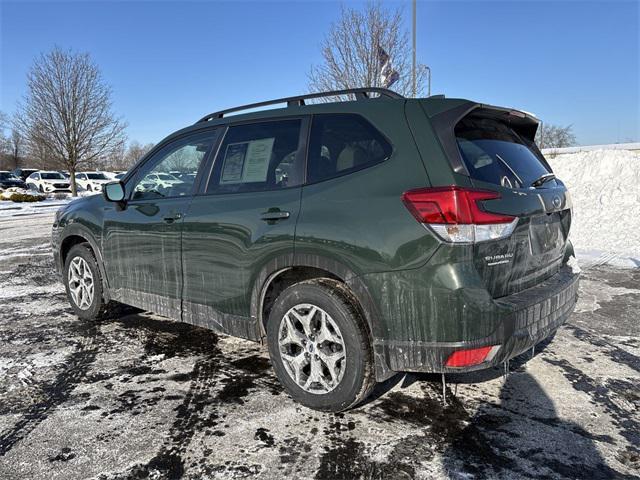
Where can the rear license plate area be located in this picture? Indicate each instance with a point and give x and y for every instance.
(545, 233)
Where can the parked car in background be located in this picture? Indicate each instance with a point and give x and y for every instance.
(23, 173)
(356, 239)
(92, 181)
(161, 182)
(112, 175)
(49, 182)
(119, 176)
(8, 180)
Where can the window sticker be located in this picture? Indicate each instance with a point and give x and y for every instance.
(258, 158)
(234, 163)
(247, 162)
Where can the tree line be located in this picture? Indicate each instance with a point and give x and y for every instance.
(66, 121)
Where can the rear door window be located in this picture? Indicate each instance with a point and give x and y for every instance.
(341, 144)
(260, 156)
(495, 153)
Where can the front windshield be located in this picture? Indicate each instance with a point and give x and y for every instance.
(97, 176)
(52, 176)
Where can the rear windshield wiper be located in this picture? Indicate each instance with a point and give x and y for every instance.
(543, 179)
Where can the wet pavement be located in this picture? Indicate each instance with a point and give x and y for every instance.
(140, 396)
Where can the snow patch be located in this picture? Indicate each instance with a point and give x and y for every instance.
(605, 188)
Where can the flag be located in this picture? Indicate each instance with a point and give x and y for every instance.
(388, 75)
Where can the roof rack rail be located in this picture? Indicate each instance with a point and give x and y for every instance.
(360, 93)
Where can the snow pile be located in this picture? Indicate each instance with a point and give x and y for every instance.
(605, 188)
(16, 194)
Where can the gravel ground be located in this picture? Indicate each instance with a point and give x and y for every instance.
(140, 396)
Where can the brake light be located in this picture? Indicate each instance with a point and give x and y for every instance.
(473, 356)
(455, 215)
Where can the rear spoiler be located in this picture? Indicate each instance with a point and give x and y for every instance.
(526, 124)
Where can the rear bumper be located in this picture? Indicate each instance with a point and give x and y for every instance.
(522, 320)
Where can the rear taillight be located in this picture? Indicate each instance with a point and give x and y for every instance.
(454, 214)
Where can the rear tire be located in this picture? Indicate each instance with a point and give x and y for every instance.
(83, 283)
(320, 347)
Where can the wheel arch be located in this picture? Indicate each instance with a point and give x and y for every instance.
(279, 274)
(76, 234)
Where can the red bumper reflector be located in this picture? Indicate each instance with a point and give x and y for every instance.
(466, 358)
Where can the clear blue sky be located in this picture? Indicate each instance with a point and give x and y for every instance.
(569, 62)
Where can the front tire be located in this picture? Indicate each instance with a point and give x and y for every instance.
(83, 282)
(320, 347)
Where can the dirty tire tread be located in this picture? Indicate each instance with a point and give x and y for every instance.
(339, 294)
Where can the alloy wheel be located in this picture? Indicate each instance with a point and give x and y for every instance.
(312, 348)
(80, 280)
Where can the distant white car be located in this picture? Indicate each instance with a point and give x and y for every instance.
(162, 180)
(49, 182)
(92, 181)
(115, 174)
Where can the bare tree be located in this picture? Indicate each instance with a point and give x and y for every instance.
(4, 144)
(67, 111)
(350, 56)
(555, 136)
(15, 146)
(135, 152)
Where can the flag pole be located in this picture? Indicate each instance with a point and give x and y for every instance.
(413, 68)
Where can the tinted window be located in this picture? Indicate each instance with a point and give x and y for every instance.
(184, 155)
(258, 156)
(96, 176)
(493, 152)
(53, 176)
(341, 144)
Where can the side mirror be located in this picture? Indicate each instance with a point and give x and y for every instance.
(114, 192)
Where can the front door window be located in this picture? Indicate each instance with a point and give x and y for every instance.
(172, 171)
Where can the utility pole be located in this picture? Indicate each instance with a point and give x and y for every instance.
(413, 68)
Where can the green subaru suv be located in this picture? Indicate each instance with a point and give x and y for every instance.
(356, 238)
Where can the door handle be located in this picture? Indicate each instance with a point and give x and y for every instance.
(172, 218)
(275, 215)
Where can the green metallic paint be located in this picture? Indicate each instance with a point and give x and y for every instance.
(149, 231)
(226, 244)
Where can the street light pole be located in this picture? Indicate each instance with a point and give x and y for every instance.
(413, 68)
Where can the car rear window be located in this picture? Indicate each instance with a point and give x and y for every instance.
(495, 153)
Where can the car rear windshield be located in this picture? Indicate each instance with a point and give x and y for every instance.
(495, 153)
(7, 176)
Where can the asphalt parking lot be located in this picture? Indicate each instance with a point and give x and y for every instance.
(140, 396)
